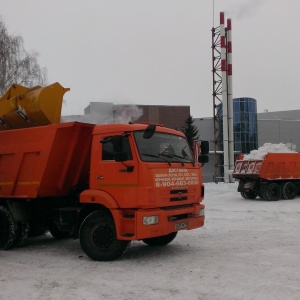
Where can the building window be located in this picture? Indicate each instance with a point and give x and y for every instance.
(244, 124)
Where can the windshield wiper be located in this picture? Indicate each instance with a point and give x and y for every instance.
(173, 156)
(157, 156)
(186, 159)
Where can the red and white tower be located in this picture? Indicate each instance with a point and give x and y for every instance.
(224, 96)
(230, 98)
(222, 70)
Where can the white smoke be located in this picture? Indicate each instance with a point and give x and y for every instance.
(127, 113)
(103, 114)
(245, 8)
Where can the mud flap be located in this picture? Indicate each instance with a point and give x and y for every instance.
(248, 185)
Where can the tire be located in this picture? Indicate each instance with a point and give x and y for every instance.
(273, 192)
(161, 240)
(98, 237)
(289, 190)
(244, 195)
(57, 233)
(8, 229)
(262, 192)
(250, 194)
(262, 195)
(23, 234)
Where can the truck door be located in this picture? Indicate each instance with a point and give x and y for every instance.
(115, 172)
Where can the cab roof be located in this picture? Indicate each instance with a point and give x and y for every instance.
(120, 128)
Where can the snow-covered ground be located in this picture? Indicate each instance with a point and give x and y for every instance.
(248, 249)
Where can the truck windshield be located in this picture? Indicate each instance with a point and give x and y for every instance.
(163, 147)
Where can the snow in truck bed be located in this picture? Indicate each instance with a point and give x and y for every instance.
(265, 149)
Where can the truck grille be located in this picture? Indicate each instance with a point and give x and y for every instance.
(178, 195)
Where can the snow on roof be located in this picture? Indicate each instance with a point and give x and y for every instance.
(265, 149)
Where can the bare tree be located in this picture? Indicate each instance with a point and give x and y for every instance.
(16, 64)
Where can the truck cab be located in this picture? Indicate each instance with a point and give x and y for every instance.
(147, 180)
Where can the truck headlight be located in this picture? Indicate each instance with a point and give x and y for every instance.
(201, 212)
(151, 220)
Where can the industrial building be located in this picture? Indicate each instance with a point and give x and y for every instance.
(279, 127)
(108, 112)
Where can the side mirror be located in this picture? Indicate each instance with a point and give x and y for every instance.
(203, 159)
(201, 151)
(149, 131)
(204, 147)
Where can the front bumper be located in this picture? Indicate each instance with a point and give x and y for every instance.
(130, 224)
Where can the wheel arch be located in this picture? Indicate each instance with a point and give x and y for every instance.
(89, 208)
(93, 200)
(98, 197)
(18, 209)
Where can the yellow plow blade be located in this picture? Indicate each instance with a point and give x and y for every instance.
(27, 107)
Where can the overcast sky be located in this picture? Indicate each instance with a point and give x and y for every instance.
(159, 51)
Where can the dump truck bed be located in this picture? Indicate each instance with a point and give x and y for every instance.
(44, 161)
(273, 166)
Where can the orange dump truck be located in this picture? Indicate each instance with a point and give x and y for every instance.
(106, 184)
(275, 176)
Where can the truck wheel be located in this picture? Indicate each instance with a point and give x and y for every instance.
(262, 194)
(273, 192)
(289, 190)
(8, 229)
(98, 238)
(244, 195)
(23, 234)
(161, 240)
(248, 194)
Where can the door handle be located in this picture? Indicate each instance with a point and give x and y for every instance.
(99, 177)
